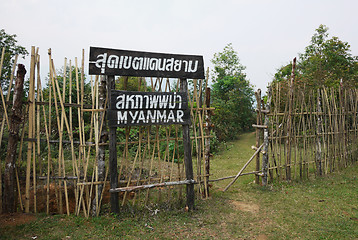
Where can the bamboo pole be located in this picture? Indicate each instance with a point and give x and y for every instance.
(289, 121)
(7, 100)
(319, 138)
(49, 160)
(70, 133)
(258, 122)
(164, 184)
(60, 130)
(207, 140)
(30, 134)
(1, 93)
(34, 132)
(75, 171)
(243, 168)
(133, 165)
(265, 156)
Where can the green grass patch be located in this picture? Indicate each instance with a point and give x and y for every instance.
(321, 208)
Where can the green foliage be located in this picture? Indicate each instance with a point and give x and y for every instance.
(11, 49)
(232, 95)
(132, 84)
(325, 62)
(87, 100)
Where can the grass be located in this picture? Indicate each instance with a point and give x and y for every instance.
(324, 208)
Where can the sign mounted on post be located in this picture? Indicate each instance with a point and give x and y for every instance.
(127, 108)
(105, 61)
(147, 108)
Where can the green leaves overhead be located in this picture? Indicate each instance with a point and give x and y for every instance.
(11, 49)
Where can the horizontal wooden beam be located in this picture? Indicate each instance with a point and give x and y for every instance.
(259, 126)
(164, 184)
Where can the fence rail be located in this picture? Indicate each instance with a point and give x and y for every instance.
(311, 132)
(62, 156)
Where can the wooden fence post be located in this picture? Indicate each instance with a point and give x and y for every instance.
(258, 122)
(289, 122)
(31, 129)
(190, 196)
(319, 135)
(15, 121)
(207, 140)
(265, 156)
(103, 137)
(112, 152)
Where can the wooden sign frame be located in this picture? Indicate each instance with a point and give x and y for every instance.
(106, 61)
(147, 108)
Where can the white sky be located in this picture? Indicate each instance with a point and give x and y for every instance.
(266, 33)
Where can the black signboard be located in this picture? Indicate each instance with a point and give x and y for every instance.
(147, 108)
(105, 61)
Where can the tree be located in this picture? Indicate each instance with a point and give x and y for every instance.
(132, 84)
(325, 62)
(9, 42)
(232, 95)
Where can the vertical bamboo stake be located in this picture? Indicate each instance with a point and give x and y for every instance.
(74, 161)
(7, 99)
(30, 135)
(63, 115)
(258, 122)
(34, 132)
(81, 148)
(59, 190)
(2, 95)
(49, 136)
(319, 135)
(207, 133)
(38, 115)
(1, 63)
(289, 122)
(265, 156)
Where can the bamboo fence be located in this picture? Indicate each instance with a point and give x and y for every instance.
(310, 133)
(62, 163)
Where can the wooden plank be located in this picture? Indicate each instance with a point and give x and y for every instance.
(129, 108)
(104, 61)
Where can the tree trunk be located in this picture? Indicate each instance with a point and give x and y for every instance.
(15, 121)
